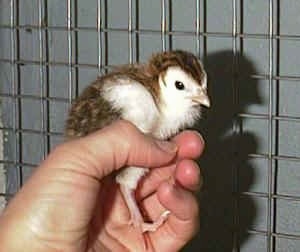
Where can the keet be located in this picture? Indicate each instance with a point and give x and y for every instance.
(160, 97)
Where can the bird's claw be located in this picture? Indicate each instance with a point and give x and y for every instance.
(150, 227)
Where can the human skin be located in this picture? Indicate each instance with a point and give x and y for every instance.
(72, 203)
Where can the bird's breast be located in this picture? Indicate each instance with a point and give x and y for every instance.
(171, 121)
(135, 102)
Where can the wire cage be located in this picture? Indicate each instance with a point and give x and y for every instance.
(51, 49)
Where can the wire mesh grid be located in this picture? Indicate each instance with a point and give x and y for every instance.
(45, 64)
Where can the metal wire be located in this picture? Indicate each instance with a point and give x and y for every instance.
(270, 210)
(99, 34)
(14, 55)
(284, 37)
(163, 24)
(235, 124)
(43, 104)
(198, 43)
(130, 31)
(70, 49)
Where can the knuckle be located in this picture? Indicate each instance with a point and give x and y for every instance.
(126, 126)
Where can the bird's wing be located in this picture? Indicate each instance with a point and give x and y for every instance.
(135, 102)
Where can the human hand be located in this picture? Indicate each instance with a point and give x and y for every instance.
(72, 203)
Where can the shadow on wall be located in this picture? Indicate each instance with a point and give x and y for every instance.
(225, 151)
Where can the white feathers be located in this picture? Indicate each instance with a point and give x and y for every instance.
(137, 106)
(131, 176)
(135, 101)
(177, 108)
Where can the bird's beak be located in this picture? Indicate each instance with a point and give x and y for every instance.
(202, 99)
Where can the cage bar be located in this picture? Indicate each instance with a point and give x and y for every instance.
(130, 31)
(15, 76)
(235, 125)
(163, 24)
(270, 227)
(43, 104)
(198, 44)
(70, 49)
(99, 34)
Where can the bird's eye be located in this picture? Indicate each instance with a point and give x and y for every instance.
(179, 85)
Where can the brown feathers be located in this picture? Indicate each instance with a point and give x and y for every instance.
(159, 63)
(90, 112)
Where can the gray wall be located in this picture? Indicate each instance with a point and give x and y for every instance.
(251, 168)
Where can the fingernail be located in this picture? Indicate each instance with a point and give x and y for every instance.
(198, 187)
(201, 137)
(166, 146)
(178, 191)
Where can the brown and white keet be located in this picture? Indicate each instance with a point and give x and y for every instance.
(160, 97)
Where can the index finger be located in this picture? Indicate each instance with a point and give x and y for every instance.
(190, 146)
(183, 222)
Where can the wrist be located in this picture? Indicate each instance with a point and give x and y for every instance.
(14, 237)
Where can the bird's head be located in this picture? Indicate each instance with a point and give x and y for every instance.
(182, 80)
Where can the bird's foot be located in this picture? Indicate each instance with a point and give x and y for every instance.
(139, 223)
(151, 227)
(136, 218)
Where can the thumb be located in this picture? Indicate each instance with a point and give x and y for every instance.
(58, 201)
(118, 145)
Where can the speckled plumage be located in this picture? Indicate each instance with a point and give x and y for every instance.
(90, 112)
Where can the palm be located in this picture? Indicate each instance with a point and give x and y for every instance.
(111, 229)
(67, 205)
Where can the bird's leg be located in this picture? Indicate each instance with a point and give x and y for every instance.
(128, 179)
(135, 215)
(137, 219)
